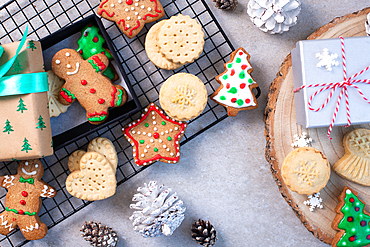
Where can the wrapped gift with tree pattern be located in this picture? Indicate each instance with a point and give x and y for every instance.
(25, 131)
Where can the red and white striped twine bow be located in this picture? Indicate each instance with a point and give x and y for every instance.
(347, 82)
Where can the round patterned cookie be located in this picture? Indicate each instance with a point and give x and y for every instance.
(181, 39)
(305, 170)
(152, 49)
(183, 96)
(55, 84)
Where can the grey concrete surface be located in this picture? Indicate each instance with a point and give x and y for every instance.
(223, 176)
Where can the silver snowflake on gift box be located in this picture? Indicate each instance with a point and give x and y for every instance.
(327, 60)
(301, 141)
(314, 201)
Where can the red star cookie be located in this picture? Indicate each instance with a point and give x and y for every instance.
(154, 137)
(131, 15)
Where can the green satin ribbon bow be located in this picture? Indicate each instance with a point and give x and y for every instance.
(22, 83)
(30, 180)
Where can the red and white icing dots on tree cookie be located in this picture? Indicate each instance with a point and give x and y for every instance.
(237, 83)
(154, 137)
(131, 15)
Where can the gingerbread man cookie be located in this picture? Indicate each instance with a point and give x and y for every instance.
(23, 202)
(86, 83)
(131, 15)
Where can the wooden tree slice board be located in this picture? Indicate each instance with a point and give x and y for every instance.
(280, 127)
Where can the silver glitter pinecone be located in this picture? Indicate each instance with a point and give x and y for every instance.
(99, 235)
(274, 16)
(158, 213)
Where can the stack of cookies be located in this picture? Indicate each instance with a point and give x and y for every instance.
(93, 173)
(172, 43)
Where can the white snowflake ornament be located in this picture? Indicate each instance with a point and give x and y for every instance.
(314, 201)
(301, 141)
(327, 60)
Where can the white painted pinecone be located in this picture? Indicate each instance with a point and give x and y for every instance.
(156, 213)
(274, 16)
(367, 25)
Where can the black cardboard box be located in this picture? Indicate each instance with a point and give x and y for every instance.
(70, 126)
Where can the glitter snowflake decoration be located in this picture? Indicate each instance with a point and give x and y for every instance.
(327, 60)
(301, 141)
(314, 201)
(184, 96)
(307, 172)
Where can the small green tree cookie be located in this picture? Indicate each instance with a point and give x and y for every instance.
(8, 128)
(21, 106)
(91, 43)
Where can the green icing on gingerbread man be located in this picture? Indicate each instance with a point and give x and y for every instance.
(91, 43)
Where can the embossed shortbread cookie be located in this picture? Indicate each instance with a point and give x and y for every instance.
(94, 181)
(305, 170)
(181, 39)
(105, 147)
(131, 15)
(55, 85)
(154, 137)
(355, 163)
(153, 51)
(74, 160)
(183, 96)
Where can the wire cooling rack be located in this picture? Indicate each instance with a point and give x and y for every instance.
(47, 16)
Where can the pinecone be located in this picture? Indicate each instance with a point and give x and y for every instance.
(99, 235)
(204, 233)
(367, 25)
(156, 215)
(274, 16)
(226, 4)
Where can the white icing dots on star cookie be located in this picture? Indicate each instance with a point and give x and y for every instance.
(163, 140)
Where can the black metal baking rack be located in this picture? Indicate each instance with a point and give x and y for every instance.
(47, 16)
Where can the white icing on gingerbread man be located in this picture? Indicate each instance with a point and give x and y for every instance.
(22, 202)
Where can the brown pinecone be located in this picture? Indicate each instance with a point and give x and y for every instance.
(99, 235)
(226, 4)
(204, 233)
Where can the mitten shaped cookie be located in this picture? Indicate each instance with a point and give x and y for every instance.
(131, 15)
(23, 202)
(86, 83)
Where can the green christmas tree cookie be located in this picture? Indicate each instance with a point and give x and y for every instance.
(351, 221)
(8, 128)
(91, 43)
